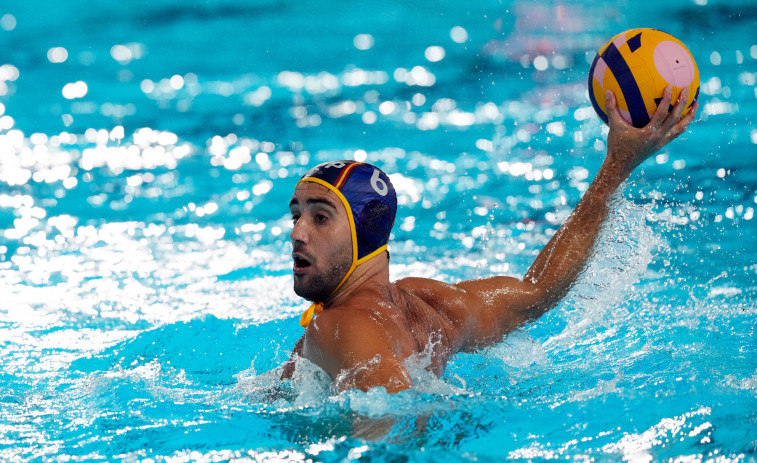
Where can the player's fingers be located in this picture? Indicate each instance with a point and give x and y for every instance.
(662, 109)
(683, 124)
(675, 115)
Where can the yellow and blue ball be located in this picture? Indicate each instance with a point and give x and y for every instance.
(637, 65)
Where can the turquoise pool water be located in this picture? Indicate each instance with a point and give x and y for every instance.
(147, 155)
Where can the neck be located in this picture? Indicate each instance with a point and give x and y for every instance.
(372, 274)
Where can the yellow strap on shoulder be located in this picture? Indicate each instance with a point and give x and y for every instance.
(310, 313)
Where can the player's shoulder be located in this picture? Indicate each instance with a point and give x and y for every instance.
(427, 289)
(346, 334)
(354, 319)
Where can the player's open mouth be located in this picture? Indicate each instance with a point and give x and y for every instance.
(300, 263)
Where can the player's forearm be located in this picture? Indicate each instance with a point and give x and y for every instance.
(562, 259)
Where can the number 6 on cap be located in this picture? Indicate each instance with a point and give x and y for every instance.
(378, 184)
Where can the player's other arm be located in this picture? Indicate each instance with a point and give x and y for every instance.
(288, 370)
(510, 301)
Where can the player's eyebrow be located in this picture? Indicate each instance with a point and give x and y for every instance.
(309, 201)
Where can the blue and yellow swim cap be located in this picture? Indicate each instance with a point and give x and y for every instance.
(371, 204)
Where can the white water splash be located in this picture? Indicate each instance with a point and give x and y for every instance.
(624, 249)
(635, 447)
(519, 350)
(424, 380)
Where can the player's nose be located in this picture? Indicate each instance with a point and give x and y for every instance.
(299, 231)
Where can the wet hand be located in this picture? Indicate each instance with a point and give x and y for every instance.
(628, 146)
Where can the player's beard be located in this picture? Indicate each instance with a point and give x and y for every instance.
(322, 278)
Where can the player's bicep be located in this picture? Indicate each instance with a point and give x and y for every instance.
(502, 303)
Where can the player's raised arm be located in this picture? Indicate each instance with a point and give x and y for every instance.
(559, 263)
(510, 301)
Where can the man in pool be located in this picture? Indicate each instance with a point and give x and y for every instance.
(366, 326)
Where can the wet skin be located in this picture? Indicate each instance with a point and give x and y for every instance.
(371, 325)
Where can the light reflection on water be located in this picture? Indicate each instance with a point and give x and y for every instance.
(145, 284)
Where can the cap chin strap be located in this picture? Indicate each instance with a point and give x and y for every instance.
(317, 307)
(310, 313)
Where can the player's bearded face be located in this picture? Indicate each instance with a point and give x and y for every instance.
(321, 241)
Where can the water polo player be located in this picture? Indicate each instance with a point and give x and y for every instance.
(361, 327)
